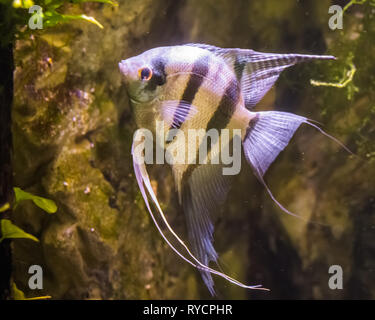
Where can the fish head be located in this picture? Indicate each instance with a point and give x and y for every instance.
(143, 76)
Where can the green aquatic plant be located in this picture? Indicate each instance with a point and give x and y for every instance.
(53, 11)
(348, 77)
(11, 231)
(5, 207)
(15, 18)
(352, 2)
(346, 80)
(18, 294)
(43, 203)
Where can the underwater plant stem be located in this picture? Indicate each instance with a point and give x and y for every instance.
(341, 84)
(352, 2)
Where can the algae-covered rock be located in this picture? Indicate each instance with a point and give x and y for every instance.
(72, 138)
(73, 128)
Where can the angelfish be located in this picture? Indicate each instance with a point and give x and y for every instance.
(198, 86)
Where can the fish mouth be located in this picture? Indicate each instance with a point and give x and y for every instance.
(123, 67)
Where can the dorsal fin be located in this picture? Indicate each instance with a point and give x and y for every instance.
(257, 71)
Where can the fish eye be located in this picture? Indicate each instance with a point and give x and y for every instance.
(145, 73)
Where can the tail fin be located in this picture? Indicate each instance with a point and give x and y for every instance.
(267, 135)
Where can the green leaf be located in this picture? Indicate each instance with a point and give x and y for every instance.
(52, 18)
(25, 4)
(43, 203)
(39, 298)
(113, 3)
(21, 195)
(4, 207)
(11, 231)
(83, 17)
(18, 294)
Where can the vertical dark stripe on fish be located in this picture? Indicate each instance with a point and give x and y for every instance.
(224, 112)
(159, 76)
(239, 67)
(198, 73)
(219, 120)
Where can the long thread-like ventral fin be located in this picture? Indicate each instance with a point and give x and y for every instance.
(144, 181)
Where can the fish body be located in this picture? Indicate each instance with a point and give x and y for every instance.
(182, 73)
(202, 87)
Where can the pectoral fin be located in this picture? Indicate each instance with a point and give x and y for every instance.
(176, 112)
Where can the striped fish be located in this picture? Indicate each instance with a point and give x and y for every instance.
(197, 86)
